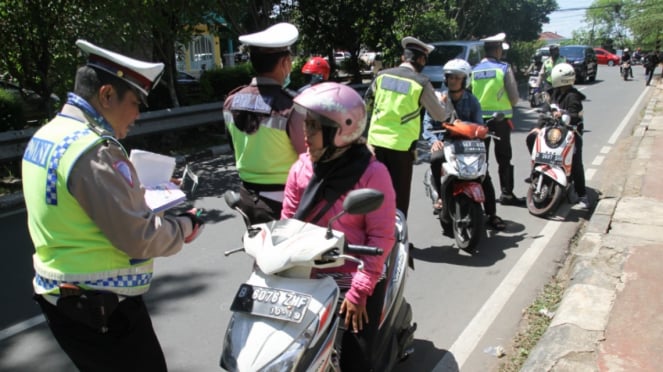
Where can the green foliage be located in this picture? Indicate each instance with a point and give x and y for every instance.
(217, 83)
(11, 112)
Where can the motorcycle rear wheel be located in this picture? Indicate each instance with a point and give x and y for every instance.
(467, 223)
(546, 202)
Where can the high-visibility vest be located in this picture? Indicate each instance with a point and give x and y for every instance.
(265, 156)
(487, 80)
(396, 118)
(69, 247)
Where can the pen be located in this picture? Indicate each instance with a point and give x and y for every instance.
(199, 212)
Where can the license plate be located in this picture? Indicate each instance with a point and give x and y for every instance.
(469, 147)
(547, 158)
(274, 303)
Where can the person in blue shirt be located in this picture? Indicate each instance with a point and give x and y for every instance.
(466, 108)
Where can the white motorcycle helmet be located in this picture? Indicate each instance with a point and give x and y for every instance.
(458, 66)
(563, 74)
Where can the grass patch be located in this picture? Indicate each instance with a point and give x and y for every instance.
(533, 325)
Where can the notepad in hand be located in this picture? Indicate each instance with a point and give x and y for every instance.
(154, 173)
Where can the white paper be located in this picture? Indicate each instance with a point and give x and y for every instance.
(154, 173)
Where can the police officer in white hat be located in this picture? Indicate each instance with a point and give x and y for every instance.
(93, 233)
(494, 84)
(395, 98)
(267, 135)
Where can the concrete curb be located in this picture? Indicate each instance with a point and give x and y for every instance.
(594, 272)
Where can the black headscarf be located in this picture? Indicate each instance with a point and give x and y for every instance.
(333, 178)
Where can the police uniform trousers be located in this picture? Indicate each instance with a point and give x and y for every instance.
(257, 208)
(399, 164)
(503, 154)
(130, 343)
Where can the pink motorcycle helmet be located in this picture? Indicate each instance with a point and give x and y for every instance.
(338, 108)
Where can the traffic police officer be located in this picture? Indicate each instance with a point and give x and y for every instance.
(552, 61)
(267, 135)
(395, 98)
(93, 233)
(494, 84)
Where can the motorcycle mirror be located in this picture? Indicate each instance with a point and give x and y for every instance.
(362, 201)
(498, 116)
(231, 198)
(566, 119)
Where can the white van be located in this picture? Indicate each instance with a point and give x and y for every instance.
(469, 50)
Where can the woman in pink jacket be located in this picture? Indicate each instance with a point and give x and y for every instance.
(338, 161)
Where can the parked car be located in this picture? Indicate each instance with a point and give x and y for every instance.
(189, 86)
(471, 51)
(34, 108)
(583, 60)
(603, 57)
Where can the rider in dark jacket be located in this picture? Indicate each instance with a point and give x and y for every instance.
(569, 99)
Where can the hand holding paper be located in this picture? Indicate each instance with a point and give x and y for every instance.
(154, 173)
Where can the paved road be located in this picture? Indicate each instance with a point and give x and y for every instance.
(463, 304)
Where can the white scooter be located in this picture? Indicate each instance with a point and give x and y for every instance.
(552, 161)
(283, 320)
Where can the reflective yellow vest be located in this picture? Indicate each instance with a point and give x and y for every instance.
(265, 156)
(396, 118)
(69, 247)
(548, 66)
(487, 80)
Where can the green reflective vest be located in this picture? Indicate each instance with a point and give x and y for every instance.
(396, 118)
(69, 247)
(487, 80)
(266, 155)
(548, 66)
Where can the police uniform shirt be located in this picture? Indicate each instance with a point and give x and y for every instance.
(113, 198)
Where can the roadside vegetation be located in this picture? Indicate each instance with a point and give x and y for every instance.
(535, 322)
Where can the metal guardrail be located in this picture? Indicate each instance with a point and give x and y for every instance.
(12, 143)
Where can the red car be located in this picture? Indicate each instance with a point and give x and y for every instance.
(603, 57)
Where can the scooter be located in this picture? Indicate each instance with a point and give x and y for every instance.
(284, 320)
(463, 171)
(552, 161)
(534, 90)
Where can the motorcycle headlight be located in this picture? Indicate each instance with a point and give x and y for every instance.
(554, 137)
(288, 360)
(468, 166)
(577, 62)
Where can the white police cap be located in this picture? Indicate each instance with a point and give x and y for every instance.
(499, 38)
(413, 43)
(139, 74)
(274, 39)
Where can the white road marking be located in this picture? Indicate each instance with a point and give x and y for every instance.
(469, 338)
(11, 213)
(605, 149)
(20, 327)
(589, 174)
(627, 118)
(598, 160)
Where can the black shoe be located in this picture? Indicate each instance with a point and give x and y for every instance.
(510, 199)
(528, 180)
(447, 230)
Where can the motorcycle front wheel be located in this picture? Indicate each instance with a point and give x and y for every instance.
(467, 223)
(546, 201)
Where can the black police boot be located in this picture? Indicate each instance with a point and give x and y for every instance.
(507, 197)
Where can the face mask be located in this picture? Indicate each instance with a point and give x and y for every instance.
(286, 81)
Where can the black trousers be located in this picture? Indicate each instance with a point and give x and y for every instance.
(356, 348)
(503, 154)
(650, 75)
(399, 164)
(129, 345)
(578, 168)
(489, 205)
(259, 209)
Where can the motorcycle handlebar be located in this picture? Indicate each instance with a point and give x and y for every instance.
(363, 250)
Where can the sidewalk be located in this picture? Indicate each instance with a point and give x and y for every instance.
(611, 314)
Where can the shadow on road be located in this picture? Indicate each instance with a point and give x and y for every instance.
(426, 357)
